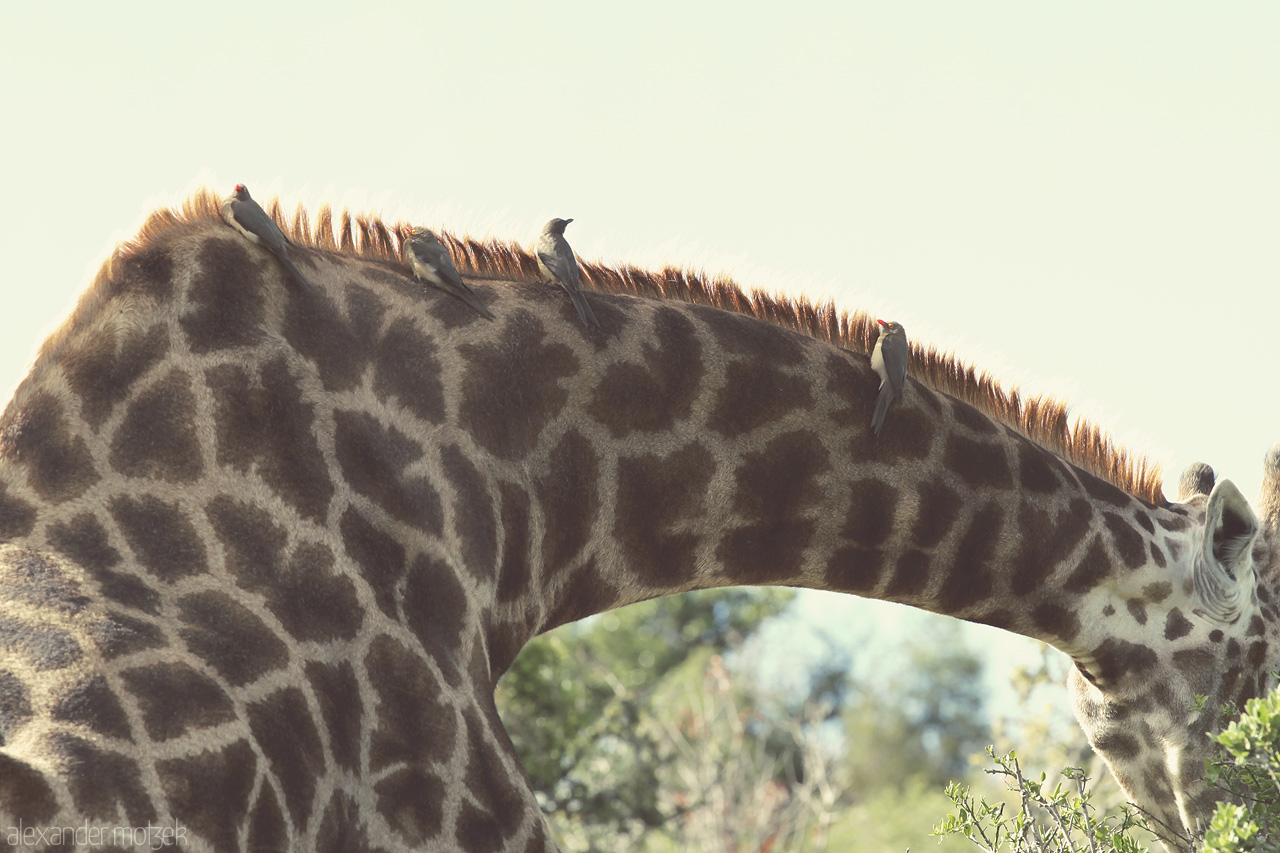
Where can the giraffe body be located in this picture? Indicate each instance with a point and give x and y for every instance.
(265, 552)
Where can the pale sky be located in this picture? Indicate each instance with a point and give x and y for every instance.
(1082, 197)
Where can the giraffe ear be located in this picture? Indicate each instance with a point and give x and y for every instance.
(1224, 563)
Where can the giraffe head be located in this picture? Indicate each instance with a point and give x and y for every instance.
(1184, 640)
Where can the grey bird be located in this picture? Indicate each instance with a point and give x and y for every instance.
(245, 215)
(431, 263)
(558, 265)
(889, 360)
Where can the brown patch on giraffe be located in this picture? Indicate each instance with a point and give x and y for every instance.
(939, 508)
(657, 495)
(311, 600)
(1157, 592)
(1109, 610)
(1258, 654)
(569, 500)
(1038, 468)
(1116, 746)
(267, 829)
(44, 647)
(489, 780)
(738, 335)
(855, 570)
(116, 634)
(1257, 627)
(174, 698)
(775, 488)
(970, 579)
(582, 594)
(1092, 570)
(17, 517)
(998, 618)
(514, 573)
(106, 363)
(1173, 523)
(1176, 626)
(339, 345)
(148, 273)
(505, 640)
(57, 462)
(341, 829)
(405, 367)
(1115, 659)
(1215, 636)
(374, 459)
(1054, 620)
(1194, 661)
(910, 576)
(263, 426)
(1157, 556)
(435, 608)
(755, 394)
(658, 391)
(32, 577)
(83, 540)
(412, 723)
(476, 831)
(229, 637)
(337, 694)
(870, 518)
(1138, 610)
(284, 731)
(90, 702)
(25, 792)
(1129, 544)
(979, 464)
(511, 390)
(157, 438)
(411, 800)
(473, 517)
(161, 536)
(15, 705)
(227, 295)
(973, 420)
(380, 557)
(209, 792)
(1145, 522)
(105, 782)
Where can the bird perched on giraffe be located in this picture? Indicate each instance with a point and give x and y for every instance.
(431, 263)
(558, 266)
(889, 360)
(242, 213)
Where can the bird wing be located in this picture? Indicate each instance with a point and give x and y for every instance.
(254, 219)
(895, 359)
(436, 256)
(560, 260)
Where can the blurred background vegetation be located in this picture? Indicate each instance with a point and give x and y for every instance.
(683, 723)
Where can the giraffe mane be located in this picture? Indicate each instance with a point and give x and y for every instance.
(1043, 418)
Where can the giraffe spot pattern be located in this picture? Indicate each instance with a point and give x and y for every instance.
(1138, 610)
(116, 635)
(939, 509)
(1100, 489)
(435, 606)
(657, 392)
(227, 298)
(25, 792)
(514, 575)
(380, 557)
(1118, 659)
(405, 367)
(83, 540)
(1054, 620)
(411, 722)
(855, 570)
(160, 536)
(871, 509)
(283, 728)
(568, 495)
(1037, 468)
(511, 390)
(340, 827)
(57, 462)
(1092, 570)
(506, 639)
(970, 580)
(973, 420)
(1129, 544)
(17, 517)
(31, 577)
(209, 791)
(104, 782)
(743, 336)
(339, 346)
(337, 693)
(581, 594)
(106, 363)
(44, 647)
(175, 698)
(977, 463)
(754, 395)
(15, 705)
(910, 575)
(656, 494)
(262, 424)
(149, 273)
(1176, 626)
(373, 460)
(411, 801)
(267, 829)
(489, 780)
(90, 702)
(157, 438)
(474, 522)
(311, 601)
(774, 489)
(229, 637)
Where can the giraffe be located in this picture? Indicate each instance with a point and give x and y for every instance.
(265, 552)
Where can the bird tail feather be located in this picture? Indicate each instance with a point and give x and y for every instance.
(882, 408)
